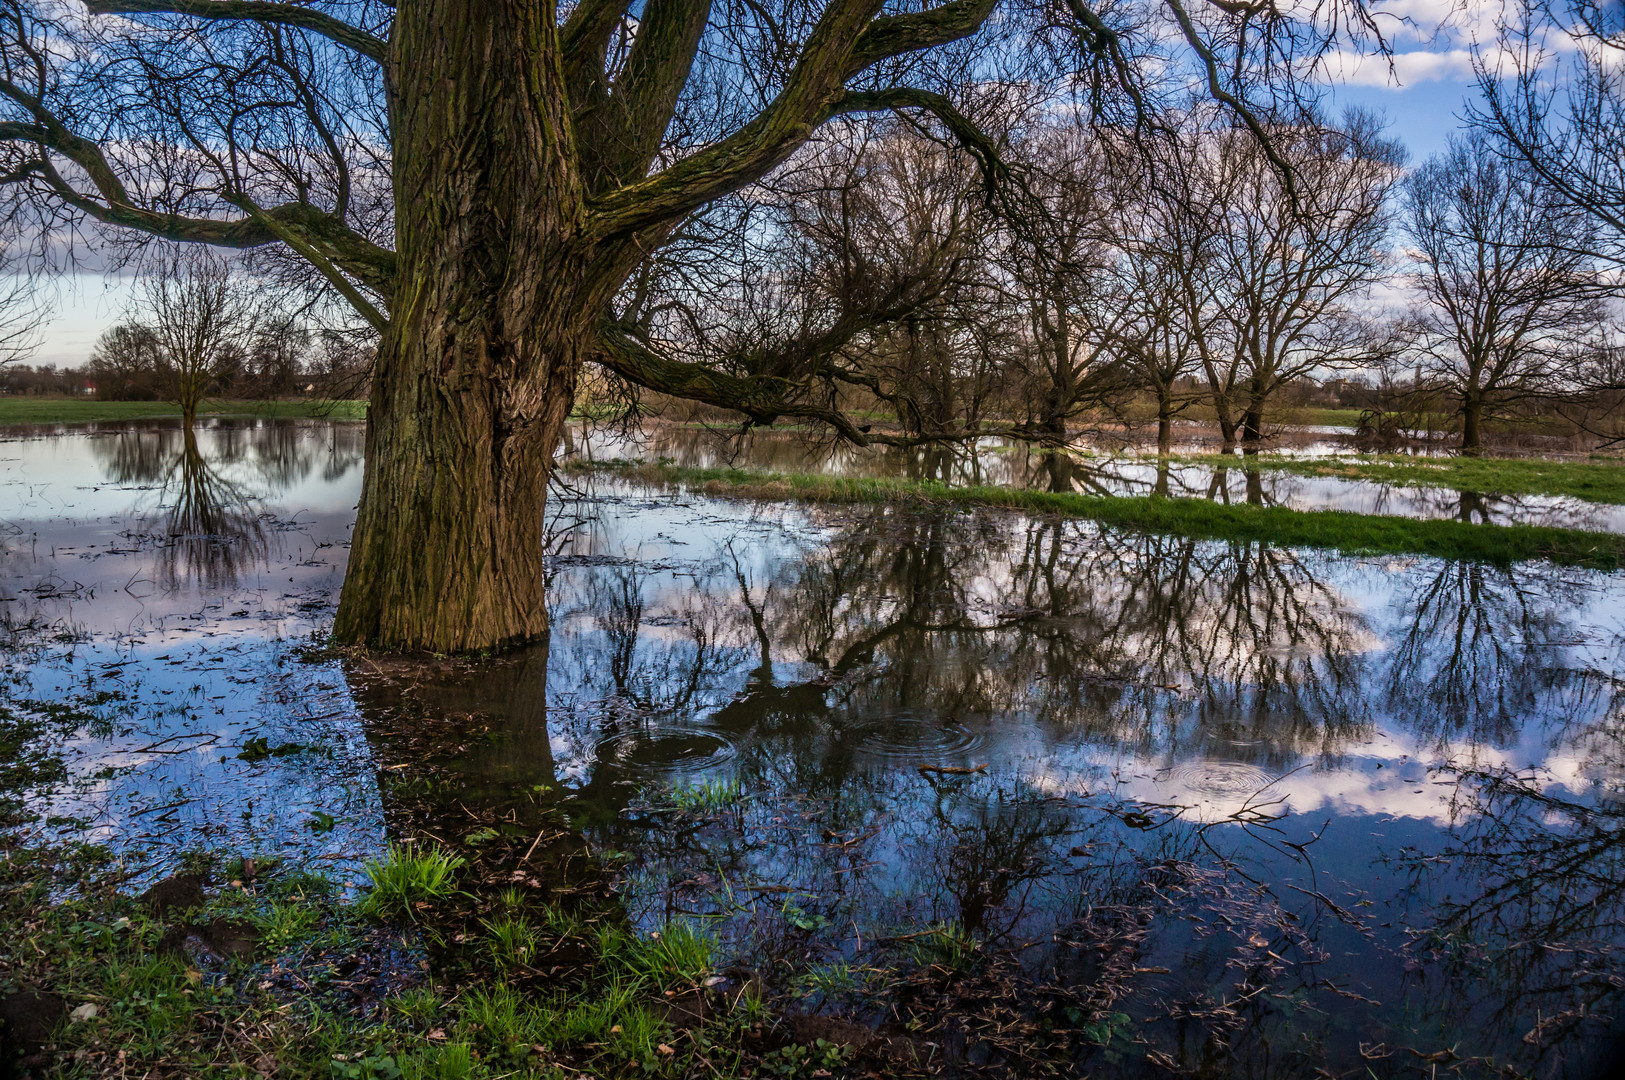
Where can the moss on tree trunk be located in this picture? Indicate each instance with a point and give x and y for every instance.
(494, 309)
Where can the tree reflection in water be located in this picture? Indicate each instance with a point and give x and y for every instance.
(207, 529)
(1095, 673)
(208, 524)
(1533, 910)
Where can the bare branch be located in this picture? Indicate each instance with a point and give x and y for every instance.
(261, 11)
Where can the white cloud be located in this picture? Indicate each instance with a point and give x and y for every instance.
(1405, 69)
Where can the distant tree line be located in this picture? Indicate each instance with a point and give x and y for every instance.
(280, 359)
(1146, 272)
(199, 328)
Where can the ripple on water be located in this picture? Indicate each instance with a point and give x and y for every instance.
(1213, 783)
(666, 750)
(914, 741)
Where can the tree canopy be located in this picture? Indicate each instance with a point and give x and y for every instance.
(276, 125)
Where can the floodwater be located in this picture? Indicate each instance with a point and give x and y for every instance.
(1108, 464)
(1220, 806)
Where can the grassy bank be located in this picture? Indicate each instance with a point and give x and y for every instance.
(1593, 481)
(247, 969)
(1355, 534)
(30, 410)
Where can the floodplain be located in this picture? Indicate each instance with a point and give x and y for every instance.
(893, 785)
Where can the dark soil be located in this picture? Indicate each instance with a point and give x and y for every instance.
(218, 940)
(179, 892)
(27, 1020)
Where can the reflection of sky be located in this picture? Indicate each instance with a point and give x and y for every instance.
(82, 548)
(678, 553)
(51, 477)
(183, 675)
(992, 462)
(692, 634)
(1324, 688)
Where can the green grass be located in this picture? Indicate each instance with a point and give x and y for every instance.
(709, 797)
(1317, 417)
(947, 944)
(42, 410)
(512, 941)
(1335, 530)
(1593, 481)
(75, 930)
(677, 954)
(404, 878)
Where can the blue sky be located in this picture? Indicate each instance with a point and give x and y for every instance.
(1421, 116)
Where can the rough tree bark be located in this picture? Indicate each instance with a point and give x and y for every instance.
(510, 248)
(495, 306)
(1472, 423)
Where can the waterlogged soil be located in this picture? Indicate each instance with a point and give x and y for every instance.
(1109, 463)
(969, 791)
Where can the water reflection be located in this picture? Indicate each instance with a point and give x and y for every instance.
(1122, 638)
(1536, 914)
(210, 522)
(1233, 793)
(1088, 705)
(1483, 649)
(1100, 467)
(268, 457)
(207, 529)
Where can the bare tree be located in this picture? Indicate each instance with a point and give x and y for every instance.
(124, 363)
(1054, 259)
(1161, 241)
(279, 354)
(1552, 97)
(1509, 291)
(1289, 271)
(480, 179)
(22, 303)
(203, 318)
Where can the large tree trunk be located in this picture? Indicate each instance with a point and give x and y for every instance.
(496, 304)
(1252, 424)
(1059, 465)
(1227, 420)
(1063, 389)
(1472, 424)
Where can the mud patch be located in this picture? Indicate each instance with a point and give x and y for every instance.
(176, 893)
(28, 1018)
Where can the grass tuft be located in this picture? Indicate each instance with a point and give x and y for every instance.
(677, 954)
(947, 944)
(405, 877)
(512, 941)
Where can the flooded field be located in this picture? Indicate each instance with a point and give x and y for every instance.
(1026, 792)
(1110, 465)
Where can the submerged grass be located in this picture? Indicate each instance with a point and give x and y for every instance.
(44, 410)
(1355, 534)
(708, 797)
(1593, 481)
